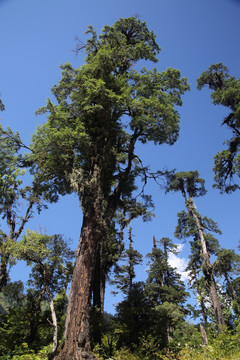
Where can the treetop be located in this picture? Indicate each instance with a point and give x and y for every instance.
(188, 182)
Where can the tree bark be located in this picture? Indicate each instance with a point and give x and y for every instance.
(216, 303)
(77, 337)
(54, 320)
(3, 271)
(99, 284)
(203, 336)
(207, 270)
(97, 308)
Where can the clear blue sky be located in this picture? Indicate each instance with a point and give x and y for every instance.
(37, 36)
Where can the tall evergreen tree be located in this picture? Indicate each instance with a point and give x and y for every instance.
(226, 267)
(225, 91)
(165, 290)
(88, 145)
(192, 223)
(125, 273)
(132, 313)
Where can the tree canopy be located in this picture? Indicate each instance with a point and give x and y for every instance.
(225, 91)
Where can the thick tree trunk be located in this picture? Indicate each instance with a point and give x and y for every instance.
(77, 337)
(97, 308)
(99, 284)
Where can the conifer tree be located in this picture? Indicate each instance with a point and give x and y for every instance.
(193, 224)
(225, 91)
(124, 274)
(88, 143)
(165, 290)
(132, 314)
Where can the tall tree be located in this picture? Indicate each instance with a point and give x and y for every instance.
(191, 185)
(125, 273)
(225, 91)
(226, 266)
(186, 228)
(131, 313)
(165, 290)
(103, 110)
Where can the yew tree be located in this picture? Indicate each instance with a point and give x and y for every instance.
(88, 145)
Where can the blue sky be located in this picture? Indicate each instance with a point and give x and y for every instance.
(37, 36)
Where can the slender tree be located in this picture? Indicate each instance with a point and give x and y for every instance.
(186, 228)
(88, 145)
(191, 185)
(226, 267)
(125, 273)
(165, 290)
(225, 91)
(131, 313)
(51, 261)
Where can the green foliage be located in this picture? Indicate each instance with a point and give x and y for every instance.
(153, 309)
(102, 110)
(225, 91)
(133, 316)
(164, 283)
(107, 348)
(2, 107)
(148, 347)
(25, 317)
(14, 330)
(88, 143)
(11, 296)
(51, 261)
(125, 354)
(24, 326)
(188, 183)
(125, 273)
(30, 355)
(224, 346)
(16, 199)
(50, 258)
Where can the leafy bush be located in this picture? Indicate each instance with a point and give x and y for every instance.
(107, 348)
(24, 353)
(224, 346)
(125, 354)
